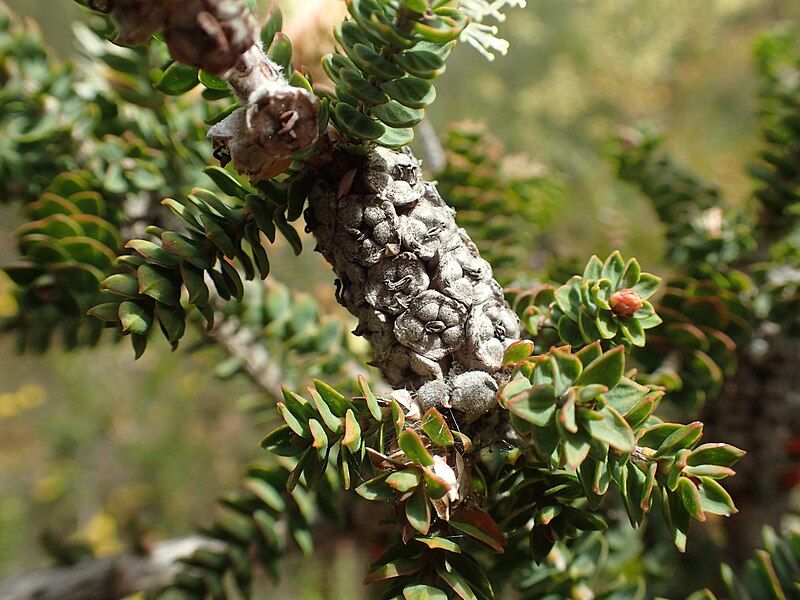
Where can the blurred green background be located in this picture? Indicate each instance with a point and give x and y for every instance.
(97, 444)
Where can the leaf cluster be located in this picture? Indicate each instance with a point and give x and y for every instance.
(388, 54)
(579, 412)
(255, 527)
(217, 233)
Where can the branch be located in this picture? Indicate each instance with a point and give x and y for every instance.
(424, 298)
(106, 578)
(240, 341)
(432, 146)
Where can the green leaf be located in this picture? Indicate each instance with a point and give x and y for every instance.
(593, 269)
(654, 436)
(394, 114)
(331, 421)
(262, 211)
(153, 253)
(298, 426)
(213, 82)
(723, 455)
(172, 319)
(277, 438)
(536, 406)
(280, 50)
(606, 370)
(423, 592)
(435, 427)
(417, 6)
(517, 352)
(272, 25)
(288, 232)
(637, 415)
(682, 438)
(713, 471)
(568, 298)
(439, 543)
(566, 369)
(298, 191)
(435, 485)
(134, 318)
(226, 181)
(714, 499)
(216, 234)
(613, 268)
(376, 489)
(633, 331)
(396, 568)
(420, 63)
(108, 311)
(352, 432)
(188, 250)
(575, 450)
(352, 81)
(156, 285)
(589, 353)
(582, 519)
(418, 511)
(456, 581)
(335, 400)
(630, 276)
(396, 138)
(612, 429)
(414, 448)
(404, 481)
(320, 438)
(479, 525)
(369, 61)
(178, 79)
(372, 400)
(195, 285)
(410, 91)
(647, 285)
(353, 122)
(516, 386)
(690, 497)
(121, 285)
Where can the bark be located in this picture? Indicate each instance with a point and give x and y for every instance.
(105, 578)
(240, 341)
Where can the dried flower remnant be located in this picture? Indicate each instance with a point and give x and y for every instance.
(137, 20)
(209, 34)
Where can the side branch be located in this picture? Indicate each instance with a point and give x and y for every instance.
(106, 578)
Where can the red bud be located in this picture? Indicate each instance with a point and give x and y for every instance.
(625, 303)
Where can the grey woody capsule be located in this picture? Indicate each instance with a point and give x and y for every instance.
(428, 304)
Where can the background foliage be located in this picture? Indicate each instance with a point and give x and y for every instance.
(578, 69)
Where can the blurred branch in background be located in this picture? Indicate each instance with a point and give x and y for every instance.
(108, 578)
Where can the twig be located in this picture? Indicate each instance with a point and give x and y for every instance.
(106, 578)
